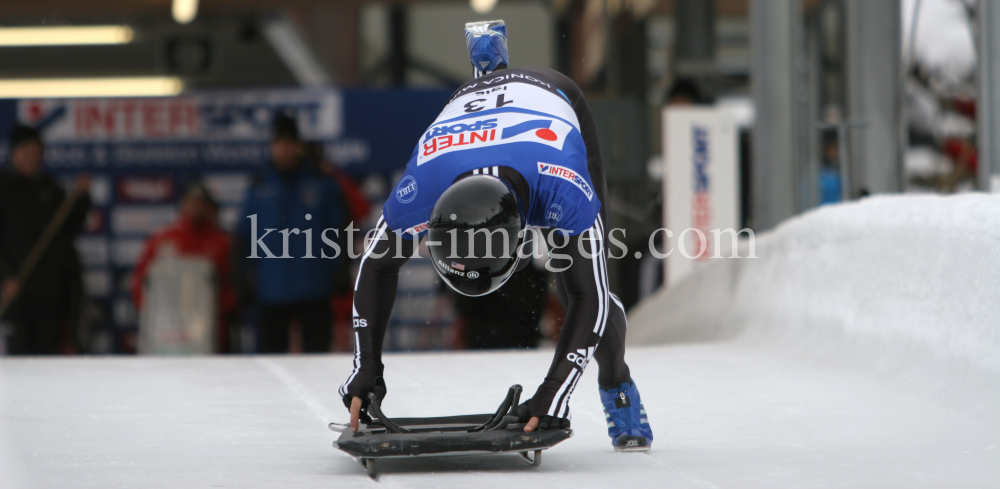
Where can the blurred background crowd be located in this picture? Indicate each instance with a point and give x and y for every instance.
(144, 135)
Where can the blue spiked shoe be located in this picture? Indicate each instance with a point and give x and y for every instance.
(487, 43)
(628, 426)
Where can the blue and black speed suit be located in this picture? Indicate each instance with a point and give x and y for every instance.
(530, 127)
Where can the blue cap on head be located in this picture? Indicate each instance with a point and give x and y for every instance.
(487, 42)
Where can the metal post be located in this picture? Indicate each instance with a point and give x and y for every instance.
(809, 100)
(772, 81)
(694, 23)
(399, 60)
(988, 103)
(874, 95)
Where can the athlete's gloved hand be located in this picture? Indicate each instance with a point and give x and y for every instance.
(539, 421)
(356, 399)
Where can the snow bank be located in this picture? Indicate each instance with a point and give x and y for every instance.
(944, 39)
(905, 287)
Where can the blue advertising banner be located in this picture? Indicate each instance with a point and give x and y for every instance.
(140, 151)
(363, 131)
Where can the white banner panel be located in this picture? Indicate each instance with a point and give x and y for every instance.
(700, 187)
(210, 115)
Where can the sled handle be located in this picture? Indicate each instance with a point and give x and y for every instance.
(499, 420)
(498, 415)
(390, 426)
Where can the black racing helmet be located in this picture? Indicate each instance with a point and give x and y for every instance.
(474, 234)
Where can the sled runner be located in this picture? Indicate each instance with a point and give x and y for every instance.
(449, 435)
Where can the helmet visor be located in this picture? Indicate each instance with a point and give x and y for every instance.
(475, 262)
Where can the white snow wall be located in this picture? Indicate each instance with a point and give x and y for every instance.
(905, 287)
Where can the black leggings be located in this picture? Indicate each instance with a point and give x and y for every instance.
(612, 370)
(275, 321)
(38, 319)
(610, 352)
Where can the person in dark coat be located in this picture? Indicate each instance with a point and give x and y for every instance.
(29, 199)
(292, 275)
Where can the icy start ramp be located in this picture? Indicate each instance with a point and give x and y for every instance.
(724, 416)
(861, 350)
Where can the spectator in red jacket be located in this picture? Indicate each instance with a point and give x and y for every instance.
(195, 234)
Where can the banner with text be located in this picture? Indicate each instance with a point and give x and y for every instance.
(700, 187)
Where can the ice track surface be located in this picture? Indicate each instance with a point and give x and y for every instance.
(724, 417)
(861, 350)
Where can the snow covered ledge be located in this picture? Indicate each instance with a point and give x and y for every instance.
(903, 286)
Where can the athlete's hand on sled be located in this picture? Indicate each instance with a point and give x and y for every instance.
(546, 423)
(355, 412)
(356, 400)
(538, 421)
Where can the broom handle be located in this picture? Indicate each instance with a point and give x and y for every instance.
(43, 242)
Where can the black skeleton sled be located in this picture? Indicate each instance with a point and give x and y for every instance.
(449, 435)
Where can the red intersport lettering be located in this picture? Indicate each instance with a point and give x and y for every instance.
(182, 118)
(443, 142)
(445, 139)
(129, 109)
(152, 120)
(475, 135)
(701, 212)
(143, 118)
(701, 219)
(561, 172)
(90, 117)
(431, 147)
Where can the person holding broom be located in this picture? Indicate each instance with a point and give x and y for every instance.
(39, 266)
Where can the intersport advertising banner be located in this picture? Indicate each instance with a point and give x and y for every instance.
(139, 152)
(700, 188)
(363, 131)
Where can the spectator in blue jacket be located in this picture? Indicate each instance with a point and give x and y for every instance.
(286, 255)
